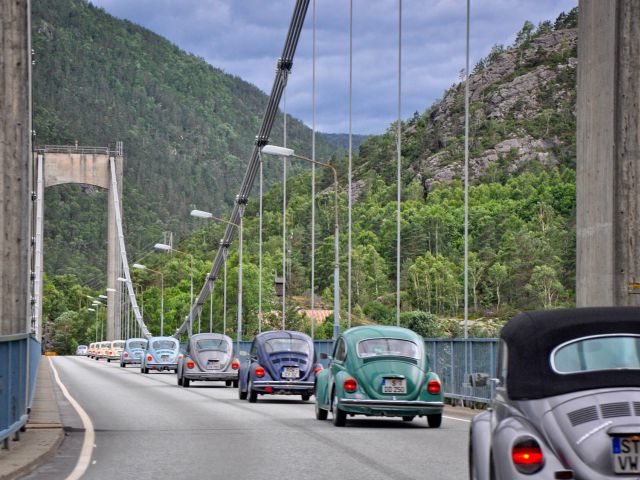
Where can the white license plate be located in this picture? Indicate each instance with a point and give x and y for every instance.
(394, 385)
(137, 354)
(213, 365)
(626, 454)
(165, 358)
(290, 372)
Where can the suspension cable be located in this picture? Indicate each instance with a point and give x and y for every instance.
(398, 151)
(284, 213)
(350, 163)
(313, 174)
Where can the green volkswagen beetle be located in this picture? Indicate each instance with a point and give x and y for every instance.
(379, 371)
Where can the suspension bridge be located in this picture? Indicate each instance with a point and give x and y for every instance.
(607, 148)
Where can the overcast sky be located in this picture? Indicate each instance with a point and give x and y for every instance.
(245, 38)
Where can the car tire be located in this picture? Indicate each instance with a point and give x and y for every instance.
(321, 413)
(144, 371)
(108, 360)
(227, 383)
(179, 380)
(253, 395)
(408, 418)
(186, 382)
(434, 420)
(122, 365)
(235, 384)
(339, 416)
(305, 397)
(242, 395)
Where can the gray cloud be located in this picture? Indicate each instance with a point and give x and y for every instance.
(245, 38)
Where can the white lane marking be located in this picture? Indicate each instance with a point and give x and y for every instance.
(89, 434)
(456, 418)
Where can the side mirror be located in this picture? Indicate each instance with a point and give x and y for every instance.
(479, 379)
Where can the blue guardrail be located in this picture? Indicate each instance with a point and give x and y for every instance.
(19, 357)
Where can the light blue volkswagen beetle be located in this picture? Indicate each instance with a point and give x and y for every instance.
(162, 354)
(133, 352)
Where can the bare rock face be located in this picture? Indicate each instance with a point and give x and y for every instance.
(511, 87)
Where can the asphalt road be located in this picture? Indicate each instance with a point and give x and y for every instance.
(149, 428)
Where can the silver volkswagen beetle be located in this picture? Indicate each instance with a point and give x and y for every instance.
(208, 356)
(567, 398)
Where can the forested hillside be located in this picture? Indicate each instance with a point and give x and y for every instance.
(187, 127)
(522, 210)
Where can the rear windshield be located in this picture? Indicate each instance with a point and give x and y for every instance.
(118, 344)
(275, 345)
(165, 344)
(106, 345)
(610, 352)
(217, 344)
(385, 347)
(138, 344)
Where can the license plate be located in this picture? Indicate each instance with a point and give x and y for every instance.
(290, 372)
(626, 454)
(165, 358)
(394, 385)
(213, 364)
(137, 354)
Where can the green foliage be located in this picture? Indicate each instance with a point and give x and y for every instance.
(423, 323)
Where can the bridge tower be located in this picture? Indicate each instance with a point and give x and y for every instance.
(57, 165)
(608, 153)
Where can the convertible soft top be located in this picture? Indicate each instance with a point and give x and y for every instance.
(532, 336)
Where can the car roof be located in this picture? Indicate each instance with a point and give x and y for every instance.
(355, 334)
(532, 336)
(261, 337)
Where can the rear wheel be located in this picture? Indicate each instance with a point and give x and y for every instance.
(122, 365)
(242, 395)
(253, 395)
(306, 397)
(339, 416)
(235, 384)
(227, 383)
(186, 382)
(434, 420)
(408, 418)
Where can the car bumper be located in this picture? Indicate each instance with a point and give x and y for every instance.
(283, 387)
(131, 361)
(211, 376)
(391, 408)
(161, 366)
(114, 357)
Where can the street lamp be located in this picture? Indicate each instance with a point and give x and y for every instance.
(139, 266)
(210, 216)
(169, 248)
(97, 304)
(288, 152)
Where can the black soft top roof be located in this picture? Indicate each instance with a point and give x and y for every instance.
(532, 336)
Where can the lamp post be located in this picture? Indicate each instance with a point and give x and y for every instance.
(139, 266)
(210, 216)
(97, 304)
(169, 248)
(288, 152)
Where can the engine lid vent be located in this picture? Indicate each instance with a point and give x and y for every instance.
(583, 415)
(618, 409)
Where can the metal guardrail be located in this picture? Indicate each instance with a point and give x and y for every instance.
(19, 356)
(447, 359)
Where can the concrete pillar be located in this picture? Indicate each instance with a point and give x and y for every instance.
(608, 153)
(114, 261)
(15, 167)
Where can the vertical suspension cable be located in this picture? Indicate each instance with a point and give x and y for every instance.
(284, 214)
(350, 163)
(466, 195)
(260, 252)
(398, 151)
(213, 285)
(224, 294)
(313, 175)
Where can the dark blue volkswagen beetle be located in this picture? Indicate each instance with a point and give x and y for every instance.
(280, 362)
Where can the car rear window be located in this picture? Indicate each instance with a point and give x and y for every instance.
(164, 344)
(388, 347)
(217, 344)
(275, 345)
(118, 344)
(607, 352)
(138, 344)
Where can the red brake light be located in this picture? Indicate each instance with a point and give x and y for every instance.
(126, 354)
(190, 364)
(527, 456)
(149, 357)
(350, 385)
(235, 365)
(259, 372)
(110, 353)
(434, 387)
(268, 390)
(317, 370)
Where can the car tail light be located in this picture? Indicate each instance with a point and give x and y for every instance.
(126, 355)
(235, 365)
(110, 353)
(527, 456)
(350, 385)
(190, 364)
(259, 372)
(268, 390)
(149, 357)
(317, 370)
(434, 387)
